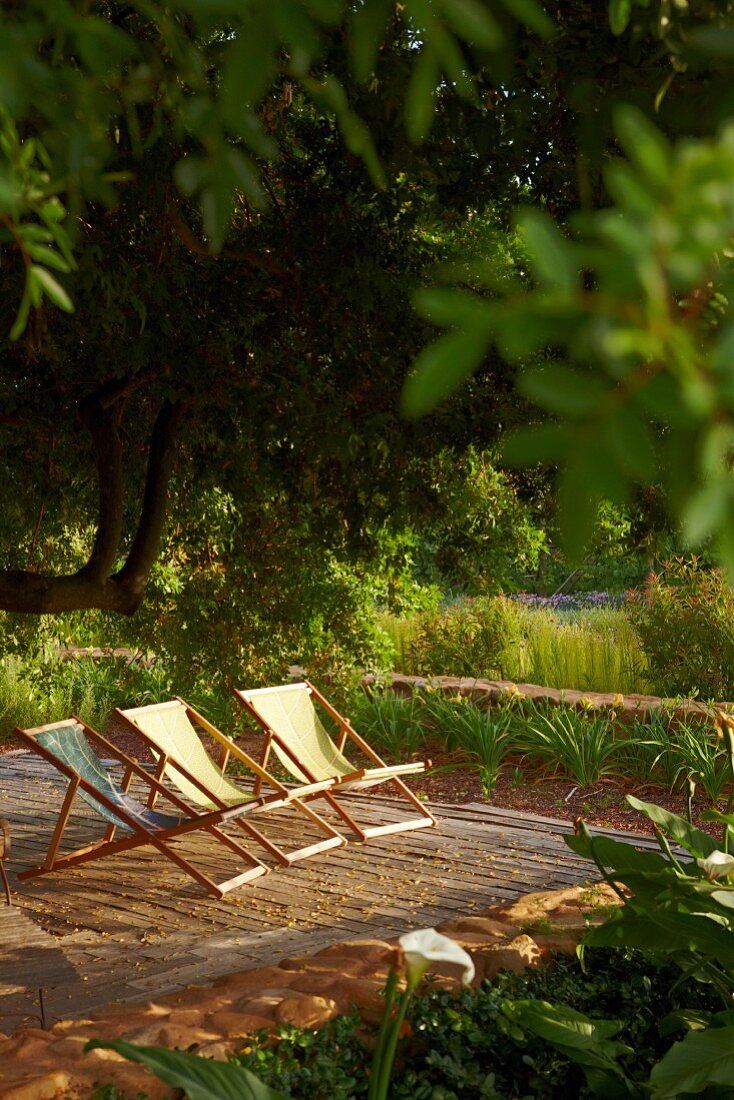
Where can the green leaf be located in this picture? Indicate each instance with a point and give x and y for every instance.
(627, 189)
(189, 174)
(702, 1059)
(690, 1019)
(668, 931)
(532, 15)
(706, 510)
(588, 1042)
(629, 440)
(619, 15)
(714, 40)
(47, 256)
(246, 176)
(693, 840)
(421, 98)
(367, 28)
(539, 443)
(200, 1078)
(724, 544)
(102, 45)
(724, 898)
(644, 144)
(559, 389)
(21, 318)
(621, 856)
(217, 205)
(474, 23)
(51, 288)
(577, 505)
(249, 66)
(440, 369)
(328, 12)
(549, 253)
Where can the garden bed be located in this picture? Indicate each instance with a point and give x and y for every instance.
(602, 807)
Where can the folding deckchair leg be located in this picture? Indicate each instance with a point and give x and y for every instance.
(405, 789)
(61, 821)
(338, 808)
(366, 832)
(235, 847)
(218, 889)
(335, 839)
(93, 852)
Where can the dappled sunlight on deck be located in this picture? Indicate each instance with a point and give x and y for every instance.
(131, 926)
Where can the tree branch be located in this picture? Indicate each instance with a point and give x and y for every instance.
(101, 424)
(92, 587)
(144, 550)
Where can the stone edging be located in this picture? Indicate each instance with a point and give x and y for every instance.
(626, 707)
(303, 991)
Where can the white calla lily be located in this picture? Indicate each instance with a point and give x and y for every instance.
(425, 946)
(717, 865)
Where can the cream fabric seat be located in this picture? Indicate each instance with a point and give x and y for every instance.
(298, 738)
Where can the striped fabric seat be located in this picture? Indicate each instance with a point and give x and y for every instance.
(69, 745)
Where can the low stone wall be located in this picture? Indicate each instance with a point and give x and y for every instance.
(486, 692)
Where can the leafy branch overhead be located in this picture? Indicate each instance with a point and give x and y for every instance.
(225, 207)
(623, 340)
(134, 139)
(211, 78)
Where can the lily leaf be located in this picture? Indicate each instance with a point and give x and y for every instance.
(668, 932)
(702, 1059)
(200, 1078)
(693, 840)
(587, 1042)
(617, 854)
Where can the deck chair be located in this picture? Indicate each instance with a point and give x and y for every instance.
(67, 746)
(169, 731)
(295, 733)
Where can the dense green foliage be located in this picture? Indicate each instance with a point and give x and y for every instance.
(587, 649)
(630, 305)
(684, 617)
(677, 906)
(172, 173)
(473, 637)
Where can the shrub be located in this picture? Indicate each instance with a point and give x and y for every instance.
(477, 636)
(685, 620)
(463, 1046)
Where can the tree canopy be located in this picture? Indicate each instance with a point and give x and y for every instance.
(213, 217)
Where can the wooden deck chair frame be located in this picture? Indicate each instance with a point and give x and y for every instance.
(360, 777)
(171, 767)
(160, 839)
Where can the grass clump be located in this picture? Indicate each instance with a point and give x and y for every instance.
(580, 745)
(594, 649)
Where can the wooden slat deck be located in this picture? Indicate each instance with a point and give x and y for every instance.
(132, 926)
